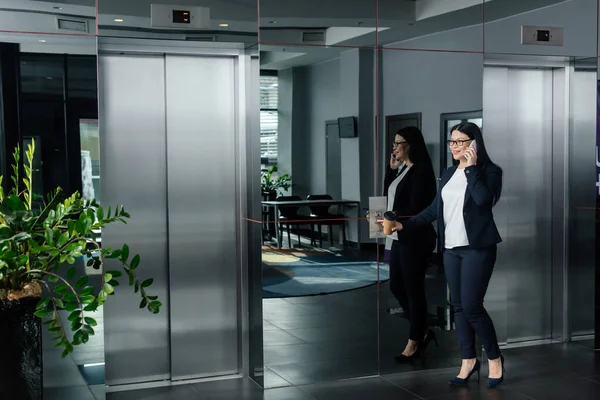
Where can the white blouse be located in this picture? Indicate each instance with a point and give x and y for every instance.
(453, 196)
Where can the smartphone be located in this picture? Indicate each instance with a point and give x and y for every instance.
(474, 145)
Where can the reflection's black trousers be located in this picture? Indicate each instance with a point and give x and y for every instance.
(468, 272)
(408, 264)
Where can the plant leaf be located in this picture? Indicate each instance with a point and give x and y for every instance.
(147, 282)
(135, 261)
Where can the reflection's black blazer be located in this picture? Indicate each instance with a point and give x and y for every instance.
(414, 193)
(484, 184)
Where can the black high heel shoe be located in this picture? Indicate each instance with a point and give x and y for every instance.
(493, 382)
(421, 347)
(428, 338)
(460, 381)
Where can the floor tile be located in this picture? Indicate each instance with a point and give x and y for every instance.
(560, 389)
(68, 393)
(225, 385)
(99, 392)
(279, 337)
(481, 393)
(291, 393)
(365, 388)
(163, 393)
(321, 371)
(295, 353)
(272, 380)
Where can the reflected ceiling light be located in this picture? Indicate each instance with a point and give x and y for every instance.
(42, 41)
(118, 20)
(272, 22)
(49, 78)
(57, 8)
(224, 25)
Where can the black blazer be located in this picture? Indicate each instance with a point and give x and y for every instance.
(484, 183)
(414, 194)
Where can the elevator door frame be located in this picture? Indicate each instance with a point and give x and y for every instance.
(562, 69)
(250, 362)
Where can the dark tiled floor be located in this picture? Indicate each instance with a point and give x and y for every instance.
(549, 372)
(321, 338)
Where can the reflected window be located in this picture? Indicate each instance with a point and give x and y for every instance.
(90, 159)
(449, 120)
(269, 117)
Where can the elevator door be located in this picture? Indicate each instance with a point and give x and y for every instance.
(203, 216)
(517, 113)
(169, 155)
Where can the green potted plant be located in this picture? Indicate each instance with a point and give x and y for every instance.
(272, 186)
(39, 250)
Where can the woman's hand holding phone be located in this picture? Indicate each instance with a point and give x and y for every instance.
(394, 164)
(471, 154)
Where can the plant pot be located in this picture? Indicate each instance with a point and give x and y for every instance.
(21, 350)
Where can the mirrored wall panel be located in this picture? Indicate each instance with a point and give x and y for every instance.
(319, 266)
(320, 22)
(541, 27)
(425, 94)
(189, 20)
(49, 96)
(582, 199)
(432, 25)
(66, 17)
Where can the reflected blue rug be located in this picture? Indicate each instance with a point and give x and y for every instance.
(308, 273)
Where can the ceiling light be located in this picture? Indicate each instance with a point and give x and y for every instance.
(57, 8)
(224, 25)
(118, 20)
(272, 22)
(42, 41)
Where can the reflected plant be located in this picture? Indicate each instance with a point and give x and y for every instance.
(36, 243)
(280, 184)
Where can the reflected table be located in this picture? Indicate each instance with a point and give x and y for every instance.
(342, 204)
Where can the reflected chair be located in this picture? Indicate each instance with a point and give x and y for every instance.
(321, 216)
(289, 217)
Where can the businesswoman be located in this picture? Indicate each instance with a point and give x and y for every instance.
(463, 208)
(410, 187)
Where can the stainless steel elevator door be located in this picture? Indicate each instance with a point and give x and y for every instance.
(132, 147)
(528, 191)
(203, 215)
(517, 114)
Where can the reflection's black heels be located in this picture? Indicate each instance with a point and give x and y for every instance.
(428, 338)
(493, 382)
(461, 382)
(420, 347)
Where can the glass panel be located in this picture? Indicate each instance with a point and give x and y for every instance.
(504, 20)
(322, 22)
(440, 86)
(67, 17)
(209, 22)
(432, 25)
(319, 266)
(582, 175)
(90, 159)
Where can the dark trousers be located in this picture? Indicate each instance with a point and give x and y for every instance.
(468, 272)
(408, 264)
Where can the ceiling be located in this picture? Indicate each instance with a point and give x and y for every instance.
(281, 21)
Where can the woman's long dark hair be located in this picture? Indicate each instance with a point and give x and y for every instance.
(417, 150)
(474, 133)
(483, 158)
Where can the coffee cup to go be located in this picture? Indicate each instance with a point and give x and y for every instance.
(389, 222)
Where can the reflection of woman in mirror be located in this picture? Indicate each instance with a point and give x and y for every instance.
(410, 187)
(463, 207)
